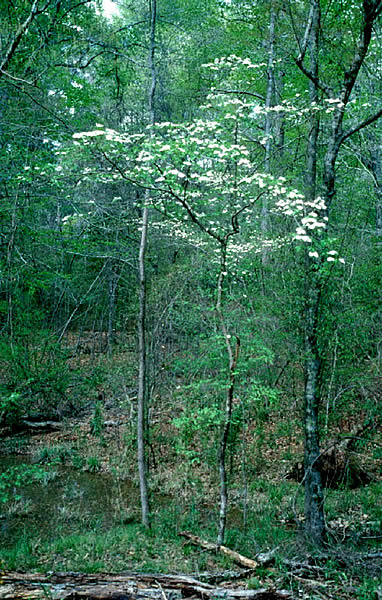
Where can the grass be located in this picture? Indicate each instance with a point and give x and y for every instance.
(87, 544)
(80, 541)
(14, 445)
(56, 454)
(86, 536)
(121, 547)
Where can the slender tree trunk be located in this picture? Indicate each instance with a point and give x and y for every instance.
(223, 447)
(142, 384)
(376, 169)
(142, 378)
(153, 83)
(112, 285)
(233, 356)
(279, 127)
(314, 499)
(268, 124)
(22, 31)
(10, 281)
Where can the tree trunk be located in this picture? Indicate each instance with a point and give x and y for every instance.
(314, 499)
(370, 11)
(10, 281)
(376, 169)
(232, 358)
(268, 125)
(141, 422)
(142, 381)
(279, 125)
(112, 289)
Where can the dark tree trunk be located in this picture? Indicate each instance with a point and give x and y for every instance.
(269, 100)
(112, 289)
(376, 169)
(314, 500)
(233, 356)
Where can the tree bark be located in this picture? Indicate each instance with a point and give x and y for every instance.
(112, 290)
(314, 498)
(22, 30)
(122, 586)
(376, 169)
(233, 356)
(314, 501)
(269, 98)
(141, 420)
(142, 378)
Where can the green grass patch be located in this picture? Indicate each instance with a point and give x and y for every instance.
(83, 541)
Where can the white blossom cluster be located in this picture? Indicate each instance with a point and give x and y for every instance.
(201, 168)
(233, 62)
(180, 231)
(331, 256)
(73, 218)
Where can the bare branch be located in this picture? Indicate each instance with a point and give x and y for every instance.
(361, 125)
(13, 78)
(45, 108)
(81, 301)
(313, 21)
(80, 66)
(308, 28)
(240, 92)
(371, 10)
(317, 82)
(22, 30)
(74, 8)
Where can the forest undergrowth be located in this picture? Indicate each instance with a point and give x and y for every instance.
(266, 503)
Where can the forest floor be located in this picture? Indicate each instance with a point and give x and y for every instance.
(70, 500)
(265, 515)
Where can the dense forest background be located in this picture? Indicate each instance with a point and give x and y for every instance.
(191, 227)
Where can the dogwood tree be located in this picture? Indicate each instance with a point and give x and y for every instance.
(203, 179)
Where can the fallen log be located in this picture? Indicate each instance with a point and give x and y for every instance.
(122, 586)
(220, 576)
(239, 559)
(41, 426)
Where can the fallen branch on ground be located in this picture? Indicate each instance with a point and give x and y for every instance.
(239, 559)
(122, 586)
(220, 576)
(249, 563)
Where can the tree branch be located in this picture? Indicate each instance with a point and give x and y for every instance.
(299, 60)
(371, 10)
(253, 94)
(22, 30)
(361, 125)
(308, 28)
(317, 82)
(13, 78)
(41, 105)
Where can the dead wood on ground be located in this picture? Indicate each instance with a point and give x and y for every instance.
(239, 559)
(122, 586)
